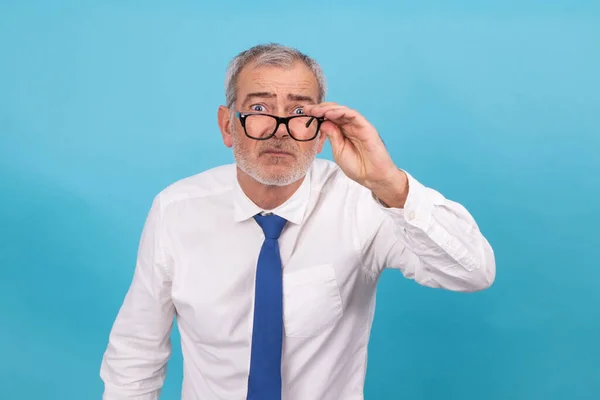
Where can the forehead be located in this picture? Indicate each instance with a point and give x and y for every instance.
(297, 79)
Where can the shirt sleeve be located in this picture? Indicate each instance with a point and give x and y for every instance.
(134, 363)
(433, 240)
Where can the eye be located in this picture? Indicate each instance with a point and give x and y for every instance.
(298, 111)
(257, 108)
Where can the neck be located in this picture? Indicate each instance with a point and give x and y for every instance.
(266, 197)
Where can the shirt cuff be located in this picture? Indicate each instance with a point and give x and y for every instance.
(419, 206)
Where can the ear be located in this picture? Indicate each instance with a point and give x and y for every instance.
(224, 125)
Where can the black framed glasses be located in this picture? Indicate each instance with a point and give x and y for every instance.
(302, 128)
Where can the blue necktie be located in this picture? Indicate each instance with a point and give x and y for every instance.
(264, 382)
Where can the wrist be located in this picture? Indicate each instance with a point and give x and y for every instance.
(393, 190)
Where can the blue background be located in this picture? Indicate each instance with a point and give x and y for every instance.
(495, 104)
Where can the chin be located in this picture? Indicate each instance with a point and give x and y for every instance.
(273, 171)
(278, 176)
(278, 179)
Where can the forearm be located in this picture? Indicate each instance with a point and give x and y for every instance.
(393, 191)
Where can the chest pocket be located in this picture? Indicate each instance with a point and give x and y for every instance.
(311, 301)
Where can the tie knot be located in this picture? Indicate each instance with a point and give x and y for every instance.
(272, 225)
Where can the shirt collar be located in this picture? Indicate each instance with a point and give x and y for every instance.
(292, 210)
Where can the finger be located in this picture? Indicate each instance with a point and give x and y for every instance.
(307, 108)
(340, 115)
(318, 110)
(333, 132)
(325, 103)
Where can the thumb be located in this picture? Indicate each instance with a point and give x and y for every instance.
(333, 132)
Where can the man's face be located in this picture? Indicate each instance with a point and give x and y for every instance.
(279, 160)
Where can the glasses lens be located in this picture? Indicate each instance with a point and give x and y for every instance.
(303, 128)
(260, 126)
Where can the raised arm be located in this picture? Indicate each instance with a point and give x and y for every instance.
(431, 239)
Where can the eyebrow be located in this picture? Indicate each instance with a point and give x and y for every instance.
(300, 97)
(270, 95)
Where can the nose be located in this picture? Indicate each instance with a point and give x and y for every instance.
(281, 131)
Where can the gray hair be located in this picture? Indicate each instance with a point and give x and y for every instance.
(271, 54)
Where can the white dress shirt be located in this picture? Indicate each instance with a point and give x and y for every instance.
(197, 261)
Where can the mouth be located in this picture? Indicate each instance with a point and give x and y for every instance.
(277, 153)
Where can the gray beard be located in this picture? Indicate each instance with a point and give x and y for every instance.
(253, 169)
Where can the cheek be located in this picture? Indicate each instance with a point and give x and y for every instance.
(247, 145)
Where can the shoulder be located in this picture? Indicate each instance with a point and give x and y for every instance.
(211, 182)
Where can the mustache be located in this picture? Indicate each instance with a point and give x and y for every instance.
(286, 147)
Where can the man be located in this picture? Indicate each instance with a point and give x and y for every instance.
(270, 265)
